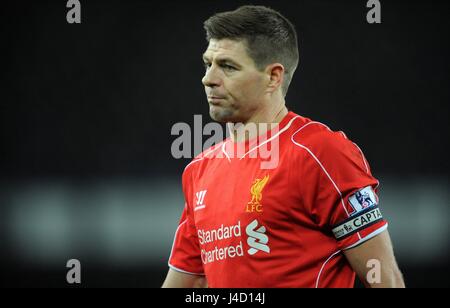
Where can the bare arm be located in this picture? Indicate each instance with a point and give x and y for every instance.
(380, 250)
(175, 279)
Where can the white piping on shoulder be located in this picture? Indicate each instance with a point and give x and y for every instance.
(203, 156)
(322, 167)
(273, 137)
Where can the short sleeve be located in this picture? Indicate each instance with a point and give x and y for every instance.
(185, 254)
(341, 192)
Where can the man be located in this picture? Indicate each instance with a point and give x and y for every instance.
(312, 220)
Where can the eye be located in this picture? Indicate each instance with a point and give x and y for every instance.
(207, 65)
(228, 67)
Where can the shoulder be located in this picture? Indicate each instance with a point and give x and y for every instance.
(203, 158)
(316, 140)
(319, 137)
(321, 153)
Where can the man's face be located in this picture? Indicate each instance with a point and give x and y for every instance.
(233, 85)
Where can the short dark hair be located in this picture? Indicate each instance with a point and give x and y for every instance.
(270, 36)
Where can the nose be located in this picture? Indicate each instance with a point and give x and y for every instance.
(211, 78)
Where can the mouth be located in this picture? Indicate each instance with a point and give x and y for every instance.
(215, 100)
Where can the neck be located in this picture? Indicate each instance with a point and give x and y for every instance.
(259, 123)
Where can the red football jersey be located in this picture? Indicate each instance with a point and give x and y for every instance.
(245, 225)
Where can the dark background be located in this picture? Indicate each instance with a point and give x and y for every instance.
(87, 109)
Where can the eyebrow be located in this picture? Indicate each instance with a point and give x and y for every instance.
(222, 60)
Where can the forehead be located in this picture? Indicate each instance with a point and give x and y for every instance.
(227, 48)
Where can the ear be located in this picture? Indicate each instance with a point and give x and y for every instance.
(275, 74)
